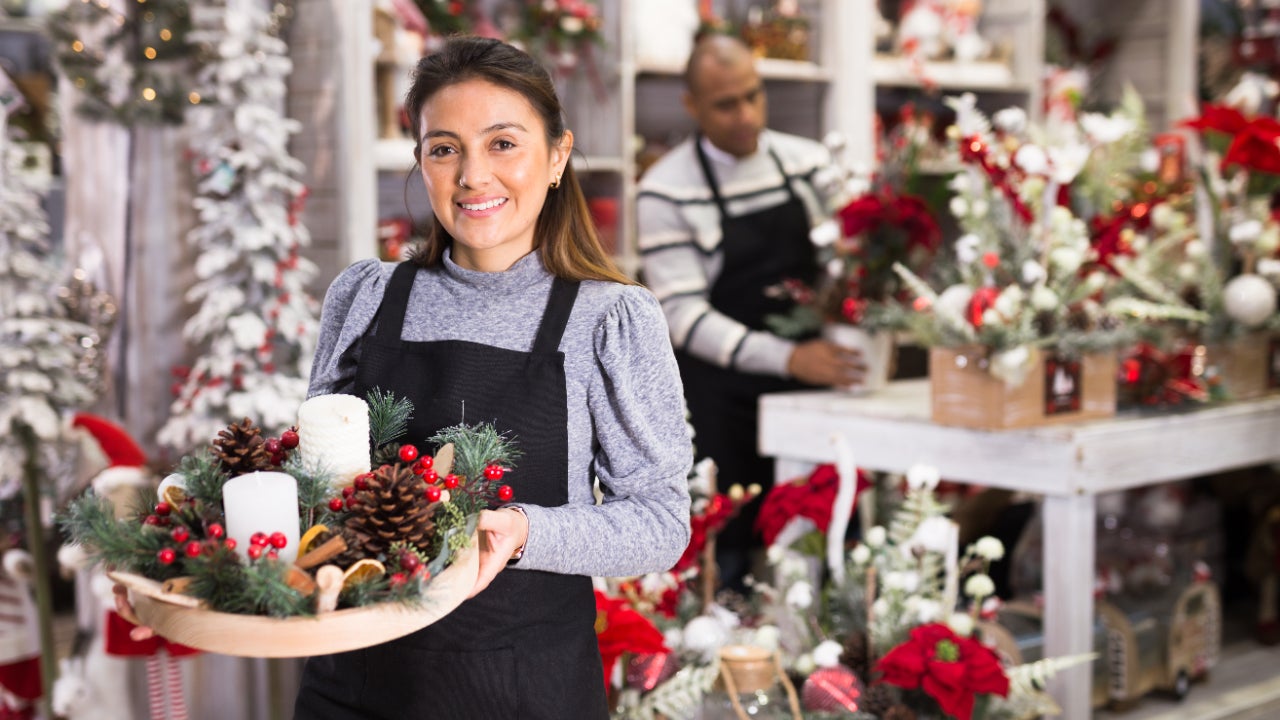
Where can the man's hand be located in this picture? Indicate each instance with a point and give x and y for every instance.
(819, 362)
(501, 533)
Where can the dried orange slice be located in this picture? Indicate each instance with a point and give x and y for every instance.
(309, 538)
(363, 571)
(175, 496)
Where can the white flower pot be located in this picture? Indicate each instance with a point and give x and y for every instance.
(877, 353)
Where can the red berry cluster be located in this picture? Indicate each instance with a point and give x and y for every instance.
(182, 537)
(410, 565)
(261, 544)
(279, 447)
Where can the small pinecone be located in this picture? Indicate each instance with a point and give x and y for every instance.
(898, 712)
(854, 655)
(348, 557)
(394, 508)
(240, 449)
(879, 699)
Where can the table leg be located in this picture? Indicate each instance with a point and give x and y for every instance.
(1068, 569)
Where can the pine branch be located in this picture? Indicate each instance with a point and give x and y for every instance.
(90, 521)
(388, 416)
(474, 448)
(202, 477)
(315, 487)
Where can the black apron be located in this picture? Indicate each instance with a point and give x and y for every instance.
(760, 250)
(525, 647)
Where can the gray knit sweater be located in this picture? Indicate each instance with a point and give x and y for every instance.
(626, 410)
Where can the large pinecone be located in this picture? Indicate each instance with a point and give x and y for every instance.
(393, 508)
(241, 449)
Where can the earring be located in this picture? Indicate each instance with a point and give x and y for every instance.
(555, 183)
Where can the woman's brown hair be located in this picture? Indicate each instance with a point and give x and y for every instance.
(564, 231)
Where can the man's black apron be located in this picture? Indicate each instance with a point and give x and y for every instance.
(526, 646)
(760, 251)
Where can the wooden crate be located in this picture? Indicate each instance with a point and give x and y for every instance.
(963, 393)
(1243, 365)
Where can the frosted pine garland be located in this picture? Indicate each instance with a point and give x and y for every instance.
(254, 330)
(41, 345)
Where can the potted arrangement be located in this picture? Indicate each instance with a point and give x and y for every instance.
(881, 221)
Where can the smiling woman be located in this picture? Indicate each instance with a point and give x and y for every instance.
(513, 313)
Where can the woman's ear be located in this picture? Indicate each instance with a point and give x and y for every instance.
(561, 152)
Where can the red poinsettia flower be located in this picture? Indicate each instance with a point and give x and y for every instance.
(1217, 118)
(950, 669)
(720, 509)
(811, 498)
(620, 629)
(1255, 147)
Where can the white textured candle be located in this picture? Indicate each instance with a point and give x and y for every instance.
(265, 502)
(333, 435)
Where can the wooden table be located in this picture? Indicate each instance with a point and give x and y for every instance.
(1067, 464)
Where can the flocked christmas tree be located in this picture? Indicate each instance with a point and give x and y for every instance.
(253, 332)
(48, 354)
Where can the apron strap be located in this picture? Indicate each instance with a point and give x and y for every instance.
(556, 316)
(395, 300)
(709, 175)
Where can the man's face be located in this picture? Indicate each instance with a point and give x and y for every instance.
(727, 101)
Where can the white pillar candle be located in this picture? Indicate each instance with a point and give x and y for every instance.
(265, 502)
(333, 435)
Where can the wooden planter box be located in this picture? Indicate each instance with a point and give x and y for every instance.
(965, 394)
(1246, 366)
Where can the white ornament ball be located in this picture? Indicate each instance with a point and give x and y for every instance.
(1249, 300)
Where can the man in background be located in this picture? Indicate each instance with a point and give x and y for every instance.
(724, 218)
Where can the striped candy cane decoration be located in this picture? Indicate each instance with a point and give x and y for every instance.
(177, 698)
(155, 688)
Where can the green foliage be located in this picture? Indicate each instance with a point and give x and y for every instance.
(388, 419)
(315, 487)
(202, 477)
(90, 521)
(474, 447)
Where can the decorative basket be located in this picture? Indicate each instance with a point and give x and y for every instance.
(180, 618)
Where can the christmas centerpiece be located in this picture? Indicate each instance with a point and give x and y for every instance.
(290, 546)
(1020, 334)
(880, 222)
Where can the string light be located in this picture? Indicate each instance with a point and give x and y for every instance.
(165, 35)
(77, 46)
(148, 94)
(150, 53)
(80, 83)
(194, 97)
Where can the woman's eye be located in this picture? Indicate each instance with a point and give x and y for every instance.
(504, 144)
(440, 151)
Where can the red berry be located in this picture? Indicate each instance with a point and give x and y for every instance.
(272, 554)
(362, 481)
(408, 453)
(180, 534)
(418, 469)
(433, 493)
(430, 476)
(505, 493)
(192, 549)
(493, 472)
(409, 562)
(398, 579)
(289, 438)
(163, 508)
(215, 531)
(451, 481)
(166, 556)
(272, 445)
(151, 520)
(352, 502)
(278, 540)
(335, 504)
(230, 543)
(278, 458)
(259, 538)
(255, 552)
(348, 491)
(426, 461)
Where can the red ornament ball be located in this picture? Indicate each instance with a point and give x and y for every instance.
(166, 556)
(408, 453)
(272, 445)
(255, 552)
(259, 539)
(451, 481)
(433, 493)
(289, 438)
(163, 508)
(278, 540)
(493, 472)
(335, 504)
(505, 493)
(215, 531)
(180, 534)
(192, 549)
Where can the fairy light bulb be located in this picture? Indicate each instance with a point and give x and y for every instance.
(194, 97)
(150, 53)
(165, 35)
(148, 94)
(77, 46)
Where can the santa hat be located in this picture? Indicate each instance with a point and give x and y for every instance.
(125, 460)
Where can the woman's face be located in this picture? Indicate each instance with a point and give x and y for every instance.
(487, 166)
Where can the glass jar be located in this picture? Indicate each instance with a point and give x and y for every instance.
(752, 685)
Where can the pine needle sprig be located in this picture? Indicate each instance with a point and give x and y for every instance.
(202, 477)
(269, 593)
(315, 487)
(474, 448)
(364, 592)
(388, 416)
(90, 521)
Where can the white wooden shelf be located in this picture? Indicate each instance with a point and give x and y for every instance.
(769, 69)
(988, 75)
(393, 154)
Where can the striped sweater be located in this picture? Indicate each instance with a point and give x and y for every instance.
(680, 239)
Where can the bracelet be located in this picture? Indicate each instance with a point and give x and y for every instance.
(519, 553)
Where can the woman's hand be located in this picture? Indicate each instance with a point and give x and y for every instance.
(125, 608)
(501, 532)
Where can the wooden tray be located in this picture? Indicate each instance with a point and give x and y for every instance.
(180, 619)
